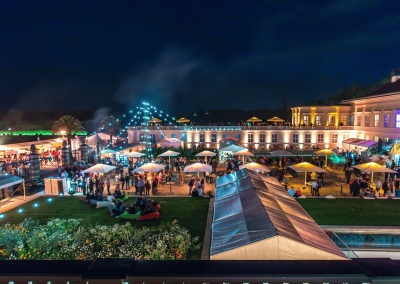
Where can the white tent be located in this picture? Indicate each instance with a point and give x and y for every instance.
(103, 136)
(15, 152)
(149, 168)
(95, 139)
(232, 148)
(99, 168)
(206, 154)
(4, 148)
(198, 168)
(255, 218)
(169, 154)
(281, 153)
(255, 167)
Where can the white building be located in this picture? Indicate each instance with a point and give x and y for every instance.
(374, 116)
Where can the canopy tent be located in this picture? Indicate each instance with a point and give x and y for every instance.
(96, 139)
(372, 168)
(357, 143)
(36, 143)
(254, 119)
(10, 180)
(149, 168)
(102, 136)
(17, 152)
(134, 155)
(326, 153)
(198, 168)
(281, 153)
(4, 148)
(167, 142)
(306, 168)
(206, 154)
(183, 120)
(378, 158)
(99, 169)
(255, 167)
(255, 218)
(154, 120)
(276, 119)
(232, 148)
(108, 151)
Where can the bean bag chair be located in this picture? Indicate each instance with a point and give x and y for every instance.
(158, 207)
(125, 198)
(83, 199)
(102, 204)
(154, 215)
(128, 216)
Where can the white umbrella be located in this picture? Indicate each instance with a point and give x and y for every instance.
(4, 148)
(134, 154)
(150, 167)
(169, 154)
(198, 168)
(373, 168)
(99, 168)
(306, 168)
(255, 167)
(206, 154)
(244, 153)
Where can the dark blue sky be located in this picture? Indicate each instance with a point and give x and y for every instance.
(188, 55)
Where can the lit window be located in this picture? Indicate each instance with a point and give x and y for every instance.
(334, 137)
(366, 137)
(376, 138)
(331, 120)
(308, 138)
(306, 120)
(224, 135)
(162, 137)
(318, 120)
(359, 120)
(397, 120)
(214, 137)
(387, 119)
(295, 138)
(386, 139)
(367, 120)
(343, 120)
(320, 138)
(184, 137)
(250, 138)
(173, 135)
(237, 136)
(262, 138)
(376, 122)
(202, 137)
(350, 120)
(274, 138)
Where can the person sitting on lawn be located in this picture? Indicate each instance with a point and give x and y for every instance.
(138, 201)
(153, 203)
(149, 209)
(132, 209)
(143, 203)
(292, 192)
(119, 203)
(90, 195)
(117, 193)
(368, 193)
(110, 198)
(99, 196)
(298, 192)
(119, 211)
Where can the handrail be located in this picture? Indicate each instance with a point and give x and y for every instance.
(345, 246)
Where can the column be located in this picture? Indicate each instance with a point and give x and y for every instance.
(300, 120)
(65, 156)
(292, 116)
(313, 115)
(34, 165)
(337, 116)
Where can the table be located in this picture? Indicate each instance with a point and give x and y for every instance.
(170, 186)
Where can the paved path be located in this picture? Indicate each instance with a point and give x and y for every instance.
(18, 201)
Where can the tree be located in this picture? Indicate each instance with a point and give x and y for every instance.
(70, 125)
(110, 125)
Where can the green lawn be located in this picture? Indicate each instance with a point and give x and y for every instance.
(191, 213)
(357, 212)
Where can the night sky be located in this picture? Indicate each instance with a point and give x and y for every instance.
(190, 55)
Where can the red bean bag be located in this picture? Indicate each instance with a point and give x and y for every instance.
(154, 215)
(158, 207)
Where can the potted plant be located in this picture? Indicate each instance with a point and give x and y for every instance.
(71, 192)
(210, 194)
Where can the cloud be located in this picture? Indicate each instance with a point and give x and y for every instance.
(159, 81)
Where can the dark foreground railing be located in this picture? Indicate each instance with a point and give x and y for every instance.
(233, 272)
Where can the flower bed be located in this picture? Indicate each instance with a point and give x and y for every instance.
(74, 239)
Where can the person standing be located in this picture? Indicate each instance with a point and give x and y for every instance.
(320, 179)
(154, 187)
(108, 184)
(378, 185)
(181, 177)
(141, 189)
(147, 187)
(122, 180)
(314, 186)
(127, 178)
(190, 186)
(83, 185)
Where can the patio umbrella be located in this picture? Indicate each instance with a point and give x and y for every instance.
(232, 148)
(276, 119)
(306, 168)
(182, 120)
(108, 151)
(325, 152)
(244, 153)
(254, 119)
(372, 168)
(134, 155)
(377, 158)
(198, 167)
(150, 167)
(255, 167)
(99, 168)
(169, 154)
(155, 120)
(206, 154)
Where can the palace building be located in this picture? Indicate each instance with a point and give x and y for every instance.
(372, 117)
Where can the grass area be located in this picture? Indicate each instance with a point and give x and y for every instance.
(191, 213)
(353, 212)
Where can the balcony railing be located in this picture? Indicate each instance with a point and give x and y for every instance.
(239, 128)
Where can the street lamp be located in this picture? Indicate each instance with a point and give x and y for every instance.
(62, 132)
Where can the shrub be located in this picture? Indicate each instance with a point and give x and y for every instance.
(73, 239)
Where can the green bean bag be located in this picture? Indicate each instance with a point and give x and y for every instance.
(124, 199)
(126, 215)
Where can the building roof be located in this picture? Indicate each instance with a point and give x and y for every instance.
(250, 207)
(360, 142)
(9, 180)
(389, 88)
(37, 143)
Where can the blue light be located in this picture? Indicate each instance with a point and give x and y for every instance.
(35, 205)
(49, 200)
(61, 194)
(2, 216)
(20, 210)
